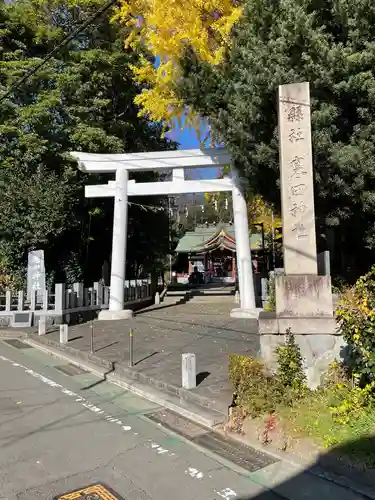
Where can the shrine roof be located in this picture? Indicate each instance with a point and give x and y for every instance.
(209, 238)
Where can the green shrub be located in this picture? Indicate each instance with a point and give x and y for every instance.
(290, 372)
(9, 279)
(257, 390)
(356, 319)
(253, 385)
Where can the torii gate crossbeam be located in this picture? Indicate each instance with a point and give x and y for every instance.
(177, 161)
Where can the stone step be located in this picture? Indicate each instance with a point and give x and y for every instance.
(213, 291)
(178, 293)
(209, 299)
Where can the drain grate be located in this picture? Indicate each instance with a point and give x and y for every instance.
(70, 370)
(244, 456)
(18, 344)
(176, 423)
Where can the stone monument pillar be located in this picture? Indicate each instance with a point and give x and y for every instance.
(303, 299)
(297, 184)
(36, 274)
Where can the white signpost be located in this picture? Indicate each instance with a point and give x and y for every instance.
(120, 189)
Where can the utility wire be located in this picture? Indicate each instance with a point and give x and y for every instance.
(62, 44)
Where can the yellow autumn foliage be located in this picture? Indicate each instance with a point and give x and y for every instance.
(259, 212)
(165, 28)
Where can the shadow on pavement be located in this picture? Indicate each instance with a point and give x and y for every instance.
(349, 480)
(202, 376)
(153, 308)
(75, 338)
(105, 346)
(146, 357)
(100, 381)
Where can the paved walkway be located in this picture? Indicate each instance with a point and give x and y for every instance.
(161, 334)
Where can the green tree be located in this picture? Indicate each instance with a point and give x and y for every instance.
(81, 100)
(331, 44)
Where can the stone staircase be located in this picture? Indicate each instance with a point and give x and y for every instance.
(207, 293)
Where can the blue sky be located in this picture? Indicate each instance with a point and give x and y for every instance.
(188, 139)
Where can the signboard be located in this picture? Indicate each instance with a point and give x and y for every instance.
(36, 274)
(21, 319)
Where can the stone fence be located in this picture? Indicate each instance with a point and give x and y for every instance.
(67, 305)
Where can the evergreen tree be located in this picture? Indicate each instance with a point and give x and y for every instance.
(331, 44)
(82, 99)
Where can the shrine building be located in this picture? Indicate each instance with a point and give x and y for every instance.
(212, 250)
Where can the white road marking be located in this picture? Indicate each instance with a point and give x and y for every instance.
(227, 493)
(84, 402)
(159, 449)
(69, 393)
(195, 473)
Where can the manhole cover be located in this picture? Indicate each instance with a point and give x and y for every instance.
(70, 369)
(18, 344)
(93, 492)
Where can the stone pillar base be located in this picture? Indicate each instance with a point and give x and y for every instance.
(107, 315)
(303, 306)
(245, 313)
(318, 339)
(271, 324)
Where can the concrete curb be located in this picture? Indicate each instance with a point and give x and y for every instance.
(206, 418)
(12, 334)
(132, 374)
(76, 353)
(105, 370)
(64, 356)
(173, 390)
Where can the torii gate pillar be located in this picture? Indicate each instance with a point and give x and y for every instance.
(119, 243)
(244, 264)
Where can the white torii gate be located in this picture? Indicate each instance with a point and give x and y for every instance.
(120, 189)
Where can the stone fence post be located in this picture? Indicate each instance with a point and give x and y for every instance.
(59, 297)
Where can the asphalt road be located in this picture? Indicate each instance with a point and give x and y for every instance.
(60, 432)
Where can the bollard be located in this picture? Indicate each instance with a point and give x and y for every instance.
(42, 326)
(63, 334)
(131, 358)
(189, 376)
(237, 297)
(92, 349)
(157, 298)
